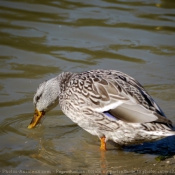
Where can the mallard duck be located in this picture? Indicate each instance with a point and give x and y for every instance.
(106, 103)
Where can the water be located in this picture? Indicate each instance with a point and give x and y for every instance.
(38, 40)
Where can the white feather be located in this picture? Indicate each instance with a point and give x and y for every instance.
(108, 106)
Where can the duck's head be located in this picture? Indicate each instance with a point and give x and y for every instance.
(45, 99)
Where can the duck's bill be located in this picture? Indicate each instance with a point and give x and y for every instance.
(36, 119)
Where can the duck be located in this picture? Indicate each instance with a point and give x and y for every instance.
(106, 103)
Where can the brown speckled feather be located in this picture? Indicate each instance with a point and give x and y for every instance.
(106, 103)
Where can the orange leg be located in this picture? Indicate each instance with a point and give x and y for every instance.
(103, 144)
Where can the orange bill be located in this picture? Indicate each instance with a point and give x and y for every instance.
(37, 116)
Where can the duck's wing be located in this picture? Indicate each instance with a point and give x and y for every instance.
(122, 97)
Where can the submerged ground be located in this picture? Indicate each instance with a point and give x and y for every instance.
(41, 39)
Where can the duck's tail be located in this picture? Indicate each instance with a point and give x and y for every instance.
(157, 135)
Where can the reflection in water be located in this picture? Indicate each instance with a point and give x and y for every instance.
(41, 39)
(164, 147)
(46, 156)
(103, 163)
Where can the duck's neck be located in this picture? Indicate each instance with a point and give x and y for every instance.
(63, 79)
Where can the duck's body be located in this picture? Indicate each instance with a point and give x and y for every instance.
(106, 103)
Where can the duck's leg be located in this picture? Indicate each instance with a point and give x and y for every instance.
(103, 144)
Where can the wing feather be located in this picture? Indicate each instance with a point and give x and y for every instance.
(124, 98)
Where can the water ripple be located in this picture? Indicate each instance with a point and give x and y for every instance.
(16, 124)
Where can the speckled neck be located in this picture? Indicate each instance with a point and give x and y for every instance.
(64, 78)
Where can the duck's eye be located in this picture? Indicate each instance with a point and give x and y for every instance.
(38, 97)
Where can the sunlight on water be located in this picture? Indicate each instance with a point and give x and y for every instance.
(41, 39)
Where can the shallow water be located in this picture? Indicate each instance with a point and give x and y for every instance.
(41, 39)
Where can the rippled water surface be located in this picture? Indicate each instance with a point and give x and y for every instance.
(40, 39)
